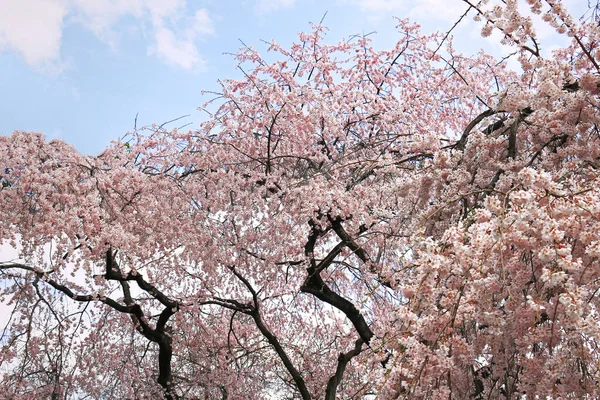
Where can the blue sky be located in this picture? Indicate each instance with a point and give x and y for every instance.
(81, 70)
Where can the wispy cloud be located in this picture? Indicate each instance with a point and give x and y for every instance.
(268, 6)
(377, 6)
(100, 16)
(175, 51)
(33, 28)
(177, 45)
(436, 10)
(431, 10)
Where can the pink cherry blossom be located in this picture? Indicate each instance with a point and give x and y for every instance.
(349, 223)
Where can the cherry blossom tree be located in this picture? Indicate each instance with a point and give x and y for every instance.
(347, 223)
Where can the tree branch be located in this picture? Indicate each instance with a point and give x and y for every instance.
(343, 360)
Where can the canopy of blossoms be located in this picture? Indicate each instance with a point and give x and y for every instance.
(348, 223)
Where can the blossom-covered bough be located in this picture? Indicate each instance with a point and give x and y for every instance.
(348, 223)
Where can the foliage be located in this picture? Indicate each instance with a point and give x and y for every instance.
(411, 223)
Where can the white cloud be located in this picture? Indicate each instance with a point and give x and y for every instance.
(436, 10)
(178, 47)
(201, 24)
(267, 6)
(33, 28)
(417, 10)
(175, 51)
(379, 6)
(100, 15)
(161, 9)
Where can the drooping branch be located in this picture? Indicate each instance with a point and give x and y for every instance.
(343, 360)
(315, 285)
(253, 310)
(336, 224)
(462, 142)
(113, 272)
(128, 309)
(535, 51)
(273, 341)
(158, 334)
(161, 333)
